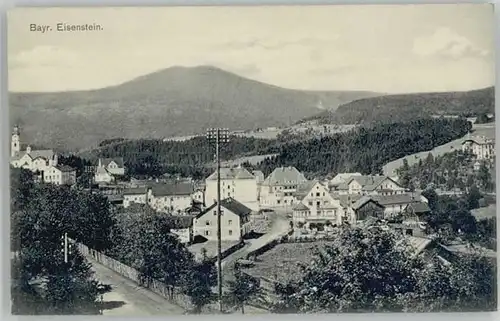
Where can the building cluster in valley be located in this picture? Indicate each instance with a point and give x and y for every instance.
(312, 206)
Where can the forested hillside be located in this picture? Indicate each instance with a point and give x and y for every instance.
(365, 149)
(392, 108)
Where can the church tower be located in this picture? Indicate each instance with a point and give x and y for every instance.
(15, 144)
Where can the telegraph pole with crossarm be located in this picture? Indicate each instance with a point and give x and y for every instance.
(218, 137)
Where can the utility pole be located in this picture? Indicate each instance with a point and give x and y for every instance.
(218, 136)
(65, 247)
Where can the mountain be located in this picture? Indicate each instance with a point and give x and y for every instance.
(170, 102)
(410, 106)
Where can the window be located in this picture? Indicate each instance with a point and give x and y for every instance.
(230, 232)
(230, 222)
(279, 201)
(310, 203)
(318, 194)
(318, 203)
(207, 222)
(207, 233)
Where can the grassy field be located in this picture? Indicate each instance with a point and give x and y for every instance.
(487, 130)
(282, 262)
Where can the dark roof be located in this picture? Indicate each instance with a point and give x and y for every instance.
(230, 204)
(65, 168)
(363, 200)
(419, 207)
(172, 189)
(117, 160)
(300, 207)
(232, 173)
(304, 188)
(181, 222)
(396, 199)
(135, 191)
(346, 200)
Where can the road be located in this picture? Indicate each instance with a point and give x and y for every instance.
(129, 299)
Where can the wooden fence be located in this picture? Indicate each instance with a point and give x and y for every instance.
(172, 295)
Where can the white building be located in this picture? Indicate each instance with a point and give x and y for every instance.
(342, 178)
(170, 197)
(278, 189)
(135, 196)
(183, 228)
(482, 147)
(108, 169)
(317, 205)
(235, 221)
(60, 175)
(369, 185)
(34, 160)
(237, 183)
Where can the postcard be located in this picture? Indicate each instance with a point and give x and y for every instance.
(252, 159)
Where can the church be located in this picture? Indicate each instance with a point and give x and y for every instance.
(34, 160)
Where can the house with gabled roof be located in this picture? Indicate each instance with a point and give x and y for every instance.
(235, 221)
(60, 175)
(480, 146)
(342, 178)
(316, 206)
(171, 197)
(115, 165)
(32, 159)
(183, 228)
(237, 183)
(370, 185)
(108, 169)
(279, 189)
(135, 195)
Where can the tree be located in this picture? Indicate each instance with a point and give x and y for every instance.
(197, 284)
(372, 271)
(473, 197)
(484, 177)
(365, 271)
(242, 289)
(431, 195)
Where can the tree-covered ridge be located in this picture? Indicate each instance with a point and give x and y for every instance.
(447, 172)
(410, 106)
(154, 157)
(366, 149)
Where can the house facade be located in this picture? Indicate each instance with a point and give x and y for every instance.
(237, 183)
(170, 197)
(138, 195)
(316, 206)
(115, 166)
(366, 207)
(395, 205)
(370, 185)
(34, 160)
(60, 175)
(108, 169)
(481, 147)
(235, 221)
(183, 229)
(279, 188)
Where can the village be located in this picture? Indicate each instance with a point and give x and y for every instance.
(278, 219)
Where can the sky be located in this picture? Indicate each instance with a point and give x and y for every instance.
(392, 48)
